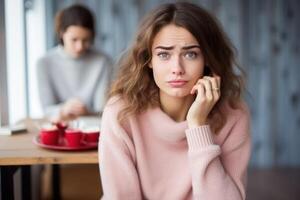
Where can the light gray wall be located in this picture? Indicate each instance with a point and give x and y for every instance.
(265, 34)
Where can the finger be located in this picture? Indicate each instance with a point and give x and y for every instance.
(78, 111)
(74, 115)
(207, 85)
(200, 88)
(194, 89)
(55, 120)
(72, 112)
(218, 78)
(78, 107)
(213, 81)
(215, 88)
(70, 116)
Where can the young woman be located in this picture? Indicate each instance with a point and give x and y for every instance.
(175, 126)
(73, 77)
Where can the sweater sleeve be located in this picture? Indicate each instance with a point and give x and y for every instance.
(219, 172)
(117, 161)
(50, 104)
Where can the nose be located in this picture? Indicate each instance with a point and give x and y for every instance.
(177, 67)
(79, 46)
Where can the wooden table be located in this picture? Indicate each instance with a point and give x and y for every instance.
(19, 152)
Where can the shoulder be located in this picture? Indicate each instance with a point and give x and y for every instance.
(111, 125)
(99, 55)
(113, 107)
(51, 55)
(237, 124)
(98, 60)
(115, 132)
(238, 112)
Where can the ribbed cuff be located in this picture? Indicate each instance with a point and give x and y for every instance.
(199, 137)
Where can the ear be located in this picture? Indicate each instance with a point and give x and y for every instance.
(150, 65)
(61, 34)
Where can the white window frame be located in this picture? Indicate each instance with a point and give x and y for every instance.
(36, 47)
(3, 70)
(15, 55)
(25, 43)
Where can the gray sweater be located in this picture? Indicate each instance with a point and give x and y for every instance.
(61, 77)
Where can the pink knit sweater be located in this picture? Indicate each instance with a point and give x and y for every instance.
(151, 156)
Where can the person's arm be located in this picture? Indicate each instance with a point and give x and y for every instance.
(117, 161)
(102, 87)
(49, 102)
(219, 172)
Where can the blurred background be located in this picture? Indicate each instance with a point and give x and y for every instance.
(264, 32)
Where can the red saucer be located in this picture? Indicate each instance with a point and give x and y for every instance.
(63, 146)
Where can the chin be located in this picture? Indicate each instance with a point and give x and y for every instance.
(182, 92)
(179, 93)
(77, 55)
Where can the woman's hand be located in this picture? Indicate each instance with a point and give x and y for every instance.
(72, 109)
(207, 90)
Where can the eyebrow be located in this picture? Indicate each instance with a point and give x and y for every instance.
(191, 47)
(164, 47)
(172, 47)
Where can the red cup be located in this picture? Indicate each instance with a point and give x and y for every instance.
(74, 137)
(91, 135)
(62, 126)
(49, 135)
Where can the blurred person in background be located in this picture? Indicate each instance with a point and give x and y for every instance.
(73, 77)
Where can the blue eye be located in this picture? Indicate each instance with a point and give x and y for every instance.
(190, 55)
(163, 55)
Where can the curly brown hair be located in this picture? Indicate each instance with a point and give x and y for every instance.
(135, 83)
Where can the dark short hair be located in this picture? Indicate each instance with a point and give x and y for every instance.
(75, 15)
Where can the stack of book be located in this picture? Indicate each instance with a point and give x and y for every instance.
(12, 129)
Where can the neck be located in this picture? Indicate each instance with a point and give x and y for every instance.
(177, 108)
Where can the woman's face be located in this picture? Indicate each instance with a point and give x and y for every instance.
(177, 61)
(77, 40)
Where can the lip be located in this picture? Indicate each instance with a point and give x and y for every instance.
(177, 83)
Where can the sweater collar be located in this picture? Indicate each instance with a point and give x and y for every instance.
(64, 54)
(164, 127)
